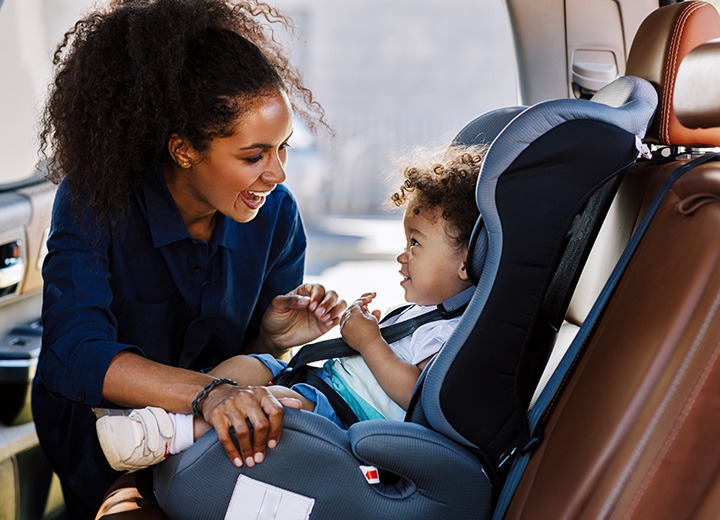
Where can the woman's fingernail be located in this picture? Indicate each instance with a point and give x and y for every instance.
(272, 443)
(250, 462)
(259, 457)
(237, 462)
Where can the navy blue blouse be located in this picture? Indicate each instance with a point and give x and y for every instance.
(149, 287)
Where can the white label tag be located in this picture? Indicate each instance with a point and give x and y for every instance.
(371, 474)
(255, 500)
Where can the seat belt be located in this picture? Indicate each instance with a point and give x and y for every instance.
(336, 347)
(340, 406)
(298, 369)
(525, 445)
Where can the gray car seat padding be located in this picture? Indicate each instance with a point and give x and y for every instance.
(316, 458)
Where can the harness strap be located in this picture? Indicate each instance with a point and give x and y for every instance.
(336, 347)
(342, 409)
(297, 369)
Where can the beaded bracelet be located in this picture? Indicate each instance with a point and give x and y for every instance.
(205, 391)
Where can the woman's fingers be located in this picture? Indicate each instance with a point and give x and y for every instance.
(329, 306)
(222, 429)
(335, 309)
(249, 407)
(315, 292)
(273, 408)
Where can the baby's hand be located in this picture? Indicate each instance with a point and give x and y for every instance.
(359, 326)
(365, 300)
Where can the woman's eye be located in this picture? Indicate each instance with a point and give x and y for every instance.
(253, 159)
(284, 146)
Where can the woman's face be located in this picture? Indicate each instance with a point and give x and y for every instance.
(235, 174)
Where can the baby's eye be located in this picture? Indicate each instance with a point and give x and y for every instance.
(414, 242)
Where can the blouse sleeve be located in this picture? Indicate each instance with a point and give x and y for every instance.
(286, 263)
(79, 329)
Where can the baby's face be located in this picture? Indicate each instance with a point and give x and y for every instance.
(432, 266)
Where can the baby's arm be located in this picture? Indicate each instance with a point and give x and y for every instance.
(283, 393)
(359, 328)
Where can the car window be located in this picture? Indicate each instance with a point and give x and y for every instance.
(25, 64)
(29, 30)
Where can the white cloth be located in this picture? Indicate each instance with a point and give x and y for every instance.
(353, 380)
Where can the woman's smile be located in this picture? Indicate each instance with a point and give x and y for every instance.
(253, 199)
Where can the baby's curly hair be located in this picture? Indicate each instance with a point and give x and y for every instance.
(129, 77)
(443, 182)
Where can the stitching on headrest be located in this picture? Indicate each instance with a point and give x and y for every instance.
(672, 69)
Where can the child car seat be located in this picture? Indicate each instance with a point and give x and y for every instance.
(543, 167)
(633, 432)
(656, 53)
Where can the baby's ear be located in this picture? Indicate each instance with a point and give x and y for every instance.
(462, 270)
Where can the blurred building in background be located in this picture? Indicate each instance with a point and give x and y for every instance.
(392, 75)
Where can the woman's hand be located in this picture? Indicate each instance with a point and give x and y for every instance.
(236, 407)
(298, 317)
(359, 326)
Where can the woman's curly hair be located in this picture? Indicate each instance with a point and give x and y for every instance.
(443, 182)
(129, 77)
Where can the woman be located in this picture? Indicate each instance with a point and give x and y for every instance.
(173, 244)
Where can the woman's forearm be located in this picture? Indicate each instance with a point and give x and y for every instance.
(133, 381)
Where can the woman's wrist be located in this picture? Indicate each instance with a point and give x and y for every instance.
(264, 344)
(197, 403)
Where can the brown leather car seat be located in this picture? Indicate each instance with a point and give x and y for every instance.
(635, 430)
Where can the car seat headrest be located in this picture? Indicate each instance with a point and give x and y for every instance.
(618, 92)
(663, 39)
(486, 127)
(483, 130)
(625, 102)
(697, 104)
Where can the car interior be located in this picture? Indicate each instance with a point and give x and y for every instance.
(645, 385)
(547, 152)
(602, 372)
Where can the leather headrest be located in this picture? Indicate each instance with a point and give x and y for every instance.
(664, 38)
(697, 98)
